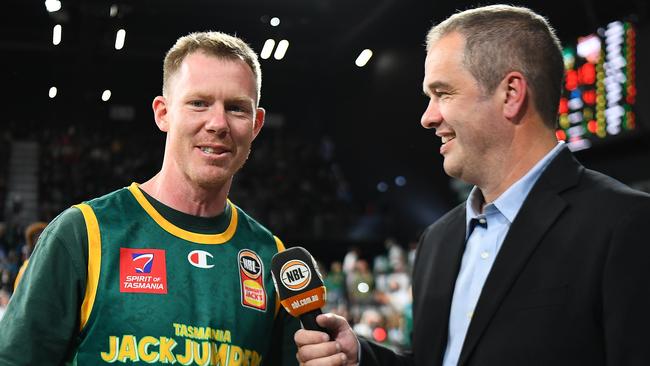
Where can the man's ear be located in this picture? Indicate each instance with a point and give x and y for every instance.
(515, 87)
(259, 121)
(159, 107)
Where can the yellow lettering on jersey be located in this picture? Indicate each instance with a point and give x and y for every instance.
(246, 361)
(113, 345)
(256, 359)
(202, 355)
(188, 357)
(202, 333)
(219, 355)
(177, 328)
(166, 347)
(235, 356)
(128, 349)
(143, 349)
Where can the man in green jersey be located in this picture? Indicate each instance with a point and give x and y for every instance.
(167, 271)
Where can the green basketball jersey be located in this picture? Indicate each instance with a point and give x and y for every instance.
(157, 293)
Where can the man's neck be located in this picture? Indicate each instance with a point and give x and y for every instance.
(513, 164)
(186, 197)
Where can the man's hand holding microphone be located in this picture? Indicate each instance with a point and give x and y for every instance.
(327, 339)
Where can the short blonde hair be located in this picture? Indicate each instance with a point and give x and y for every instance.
(212, 43)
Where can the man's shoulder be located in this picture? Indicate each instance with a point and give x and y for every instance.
(452, 216)
(70, 220)
(110, 198)
(608, 185)
(597, 190)
(454, 219)
(247, 222)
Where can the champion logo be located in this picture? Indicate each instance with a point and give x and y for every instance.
(199, 258)
(142, 262)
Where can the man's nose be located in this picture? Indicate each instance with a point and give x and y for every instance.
(431, 118)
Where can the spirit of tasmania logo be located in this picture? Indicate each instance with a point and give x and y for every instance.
(143, 270)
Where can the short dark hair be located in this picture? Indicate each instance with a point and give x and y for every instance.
(502, 38)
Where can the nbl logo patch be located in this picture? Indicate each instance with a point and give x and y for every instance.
(251, 277)
(295, 275)
(143, 270)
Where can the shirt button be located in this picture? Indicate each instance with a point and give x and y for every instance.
(482, 221)
(485, 255)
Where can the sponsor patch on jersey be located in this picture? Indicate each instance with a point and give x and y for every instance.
(295, 275)
(143, 270)
(200, 259)
(251, 277)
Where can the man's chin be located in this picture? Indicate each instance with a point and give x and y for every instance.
(212, 180)
(215, 177)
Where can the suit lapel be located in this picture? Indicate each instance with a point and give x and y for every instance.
(540, 210)
(442, 251)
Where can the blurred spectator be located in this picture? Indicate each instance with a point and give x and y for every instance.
(370, 319)
(32, 233)
(413, 246)
(396, 257)
(350, 261)
(361, 284)
(335, 285)
(4, 301)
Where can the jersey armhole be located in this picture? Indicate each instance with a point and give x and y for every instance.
(94, 262)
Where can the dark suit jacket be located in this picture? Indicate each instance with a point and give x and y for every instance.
(570, 285)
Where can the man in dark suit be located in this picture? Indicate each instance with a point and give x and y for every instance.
(547, 263)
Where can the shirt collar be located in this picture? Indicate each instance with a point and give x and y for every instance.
(510, 201)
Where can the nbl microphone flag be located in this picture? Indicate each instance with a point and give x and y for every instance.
(299, 285)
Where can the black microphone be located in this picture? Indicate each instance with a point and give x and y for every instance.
(299, 285)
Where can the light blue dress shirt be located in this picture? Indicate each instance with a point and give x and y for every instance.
(482, 246)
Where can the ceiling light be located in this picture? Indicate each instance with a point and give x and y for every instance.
(275, 21)
(363, 58)
(119, 39)
(52, 92)
(106, 95)
(52, 5)
(267, 49)
(283, 45)
(56, 34)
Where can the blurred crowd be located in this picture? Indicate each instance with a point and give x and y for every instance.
(374, 294)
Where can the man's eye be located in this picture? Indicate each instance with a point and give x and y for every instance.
(198, 103)
(238, 108)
